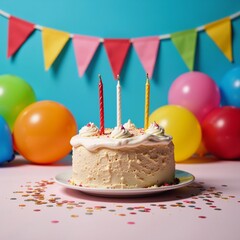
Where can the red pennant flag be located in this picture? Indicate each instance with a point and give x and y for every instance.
(18, 32)
(117, 50)
(147, 50)
(84, 48)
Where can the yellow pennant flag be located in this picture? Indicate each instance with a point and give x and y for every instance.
(53, 43)
(221, 33)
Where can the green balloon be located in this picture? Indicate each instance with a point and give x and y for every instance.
(15, 95)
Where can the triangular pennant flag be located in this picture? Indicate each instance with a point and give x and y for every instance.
(147, 50)
(84, 48)
(117, 50)
(53, 43)
(221, 33)
(18, 32)
(185, 42)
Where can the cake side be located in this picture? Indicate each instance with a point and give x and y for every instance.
(136, 167)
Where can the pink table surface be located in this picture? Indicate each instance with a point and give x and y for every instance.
(33, 206)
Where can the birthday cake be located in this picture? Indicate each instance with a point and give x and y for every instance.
(123, 157)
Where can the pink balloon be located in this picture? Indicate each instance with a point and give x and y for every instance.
(195, 91)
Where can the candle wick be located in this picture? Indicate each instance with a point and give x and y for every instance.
(100, 77)
(118, 77)
(147, 75)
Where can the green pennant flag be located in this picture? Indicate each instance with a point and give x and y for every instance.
(185, 42)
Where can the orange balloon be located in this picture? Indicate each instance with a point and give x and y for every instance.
(201, 151)
(42, 132)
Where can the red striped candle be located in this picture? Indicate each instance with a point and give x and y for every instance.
(101, 105)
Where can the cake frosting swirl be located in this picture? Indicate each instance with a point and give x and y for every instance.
(89, 130)
(129, 125)
(155, 129)
(120, 132)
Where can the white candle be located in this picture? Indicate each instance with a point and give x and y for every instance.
(118, 102)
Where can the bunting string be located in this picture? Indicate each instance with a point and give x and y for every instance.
(53, 41)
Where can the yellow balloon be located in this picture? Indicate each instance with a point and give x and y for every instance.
(183, 126)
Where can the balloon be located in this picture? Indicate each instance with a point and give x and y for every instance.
(195, 91)
(183, 126)
(42, 132)
(201, 151)
(15, 95)
(6, 144)
(221, 132)
(230, 88)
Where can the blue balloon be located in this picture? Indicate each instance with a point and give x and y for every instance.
(6, 144)
(230, 88)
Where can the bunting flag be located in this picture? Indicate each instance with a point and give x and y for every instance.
(18, 32)
(117, 50)
(147, 51)
(221, 33)
(84, 48)
(53, 43)
(185, 42)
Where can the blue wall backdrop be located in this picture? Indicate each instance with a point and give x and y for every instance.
(114, 19)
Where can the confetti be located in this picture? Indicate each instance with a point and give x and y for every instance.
(37, 210)
(54, 221)
(37, 194)
(122, 215)
(22, 205)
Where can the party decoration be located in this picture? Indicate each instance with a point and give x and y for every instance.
(15, 95)
(53, 43)
(84, 48)
(18, 32)
(101, 104)
(195, 91)
(185, 42)
(117, 50)
(221, 132)
(230, 88)
(183, 126)
(42, 132)
(147, 96)
(6, 144)
(147, 50)
(201, 151)
(221, 33)
(146, 47)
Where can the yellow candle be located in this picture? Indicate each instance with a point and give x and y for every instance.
(147, 92)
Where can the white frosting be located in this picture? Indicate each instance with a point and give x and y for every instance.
(94, 143)
(129, 125)
(89, 130)
(155, 129)
(90, 138)
(120, 132)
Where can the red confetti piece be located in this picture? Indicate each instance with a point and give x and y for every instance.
(202, 217)
(54, 221)
(131, 223)
(37, 210)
